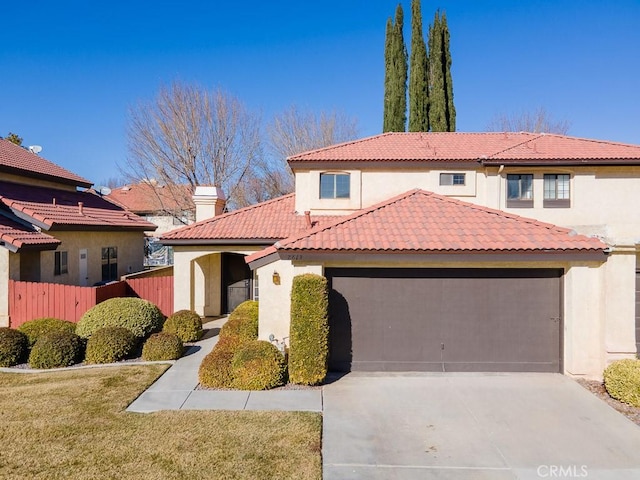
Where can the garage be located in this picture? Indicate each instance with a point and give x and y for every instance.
(446, 319)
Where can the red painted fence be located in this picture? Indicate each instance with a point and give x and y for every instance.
(29, 300)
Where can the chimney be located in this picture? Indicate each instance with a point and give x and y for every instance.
(209, 201)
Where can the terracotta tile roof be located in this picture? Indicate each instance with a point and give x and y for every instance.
(18, 160)
(269, 221)
(491, 147)
(144, 198)
(18, 236)
(59, 209)
(420, 221)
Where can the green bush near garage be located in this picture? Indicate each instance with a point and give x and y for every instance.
(13, 347)
(110, 344)
(185, 324)
(139, 316)
(56, 350)
(309, 330)
(622, 381)
(258, 365)
(162, 346)
(38, 327)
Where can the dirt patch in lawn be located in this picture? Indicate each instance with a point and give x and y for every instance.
(597, 388)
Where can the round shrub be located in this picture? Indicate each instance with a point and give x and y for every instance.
(258, 365)
(242, 322)
(162, 346)
(34, 329)
(622, 381)
(186, 324)
(110, 344)
(56, 349)
(13, 347)
(215, 369)
(139, 316)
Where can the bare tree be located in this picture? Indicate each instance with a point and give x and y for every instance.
(189, 136)
(294, 131)
(538, 121)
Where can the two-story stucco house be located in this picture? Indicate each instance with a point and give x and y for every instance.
(54, 229)
(443, 251)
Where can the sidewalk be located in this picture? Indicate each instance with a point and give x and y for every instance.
(176, 388)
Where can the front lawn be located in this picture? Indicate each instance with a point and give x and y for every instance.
(72, 425)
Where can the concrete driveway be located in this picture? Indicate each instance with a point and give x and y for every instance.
(473, 426)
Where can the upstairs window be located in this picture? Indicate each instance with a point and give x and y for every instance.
(556, 190)
(334, 185)
(60, 263)
(520, 191)
(452, 179)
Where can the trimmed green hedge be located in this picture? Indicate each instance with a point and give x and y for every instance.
(13, 347)
(139, 316)
(34, 329)
(215, 369)
(242, 322)
(309, 330)
(162, 346)
(110, 344)
(622, 381)
(55, 350)
(258, 365)
(185, 324)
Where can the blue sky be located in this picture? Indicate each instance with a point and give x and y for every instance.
(69, 70)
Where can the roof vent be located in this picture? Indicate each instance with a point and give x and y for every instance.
(80, 208)
(307, 216)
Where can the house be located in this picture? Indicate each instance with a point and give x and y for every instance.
(167, 207)
(54, 229)
(443, 252)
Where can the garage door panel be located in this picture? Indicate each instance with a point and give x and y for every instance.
(486, 319)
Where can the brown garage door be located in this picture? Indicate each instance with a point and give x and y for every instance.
(445, 319)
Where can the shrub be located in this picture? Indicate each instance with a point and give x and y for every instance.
(258, 365)
(34, 329)
(186, 324)
(110, 344)
(162, 346)
(56, 349)
(215, 369)
(139, 316)
(309, 330)
(242, 322)
(13, 347)
(622, 381)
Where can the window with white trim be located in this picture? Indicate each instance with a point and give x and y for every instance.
(452, 179)
(520, 190)
(334, 185)
(556, 190)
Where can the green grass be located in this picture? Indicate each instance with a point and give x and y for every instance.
(72, 425)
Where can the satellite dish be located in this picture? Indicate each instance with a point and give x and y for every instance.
(103, 190)
(35, 148)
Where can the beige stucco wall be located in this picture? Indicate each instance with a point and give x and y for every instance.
(8, 177)
(197, 277)
(598, 314)
(130, 255)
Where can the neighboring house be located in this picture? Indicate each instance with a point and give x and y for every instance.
(50, 231)
(166, 207)
(443, 251)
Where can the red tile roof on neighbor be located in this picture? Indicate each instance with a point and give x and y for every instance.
(17, 236)
(50, 208)
(264, 222)
(146, 197)
(486, 148)
(15, 159)
(425, 222)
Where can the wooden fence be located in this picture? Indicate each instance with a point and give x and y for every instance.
(29, 300)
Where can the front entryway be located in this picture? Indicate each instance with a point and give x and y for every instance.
(409, 319)
(236, 281)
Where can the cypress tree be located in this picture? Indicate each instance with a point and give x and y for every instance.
(418, 75)
(441, 111)
(395, 79)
